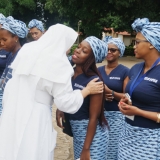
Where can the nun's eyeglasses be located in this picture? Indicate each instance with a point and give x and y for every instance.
(138, 41)
(112, 50)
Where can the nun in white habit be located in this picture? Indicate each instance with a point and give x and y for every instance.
(41, 72)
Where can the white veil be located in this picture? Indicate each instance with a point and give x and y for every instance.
(46, 57)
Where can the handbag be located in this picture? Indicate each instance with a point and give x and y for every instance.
(67, 126)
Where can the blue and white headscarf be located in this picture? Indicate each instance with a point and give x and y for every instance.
(99, 48)
(116, 41)
(16, 27)
(2, 18)
(150, 30)
(37, 24)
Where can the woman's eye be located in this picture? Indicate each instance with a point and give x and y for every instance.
(3, 39)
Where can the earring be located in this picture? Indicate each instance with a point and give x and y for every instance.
(16, 41)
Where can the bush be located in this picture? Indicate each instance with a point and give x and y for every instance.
(72, 49)
(129, 51)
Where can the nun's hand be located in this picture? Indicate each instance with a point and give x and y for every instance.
(95, 87)
(128, 110)
(59, 116)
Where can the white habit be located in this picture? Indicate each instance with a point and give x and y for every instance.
(41, 73)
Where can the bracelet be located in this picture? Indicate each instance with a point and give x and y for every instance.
(158, 117)
(112, 93)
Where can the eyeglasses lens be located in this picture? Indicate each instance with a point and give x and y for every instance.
(112, 50)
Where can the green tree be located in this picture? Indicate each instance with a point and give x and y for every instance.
(97, 14)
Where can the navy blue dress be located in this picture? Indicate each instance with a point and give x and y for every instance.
(114, 81)
(3, 59)
(79, 124)
(7, 74)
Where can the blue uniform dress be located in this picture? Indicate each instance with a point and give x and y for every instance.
(114, 117)
(7, 74)
(140, 138)
(3, 59)
(79, 124)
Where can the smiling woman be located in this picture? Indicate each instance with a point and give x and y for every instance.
(115, 77)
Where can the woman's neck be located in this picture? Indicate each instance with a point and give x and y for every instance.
(112, 65)
(149, 61)
(77, 71)
(17, 47)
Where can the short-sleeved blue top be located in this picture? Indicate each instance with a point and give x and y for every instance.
(81, 82)
(7, 74)
(114, 81)
(146, 95)
(3, 60)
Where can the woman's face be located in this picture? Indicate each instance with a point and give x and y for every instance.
(141, 47)
(35, 33)
(8, 41)
(81, 53)
(113, 53)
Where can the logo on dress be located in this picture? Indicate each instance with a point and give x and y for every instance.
(117, 78)
(2, 56)
(151, 79)
(79, 86)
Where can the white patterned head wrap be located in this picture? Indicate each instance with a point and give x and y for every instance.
(150, 30)
(99, 48)
(16, 27)
(116, 41)
(37, 24)
(2, 18)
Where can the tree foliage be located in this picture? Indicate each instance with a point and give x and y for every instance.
(97, 14)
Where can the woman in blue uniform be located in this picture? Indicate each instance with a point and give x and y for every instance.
(90, 134)
(3, 59)
(140, 137)
(115, 77)
(12, 36)
(36, 29)
(3, 54)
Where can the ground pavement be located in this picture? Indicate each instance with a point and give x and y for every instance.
(64, 147)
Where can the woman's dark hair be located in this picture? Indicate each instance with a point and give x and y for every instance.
(89, 68)
(22, 41)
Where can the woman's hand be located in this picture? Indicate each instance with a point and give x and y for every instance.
(59, 115)
(109, 97)
(128, 109)
(85, 154)
(126, 100)
(108, 94)
(95, 87)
